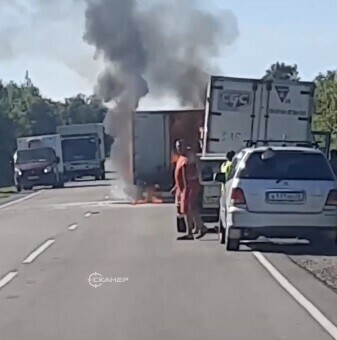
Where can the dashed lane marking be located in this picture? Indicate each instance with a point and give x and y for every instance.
(8, 278)
(38, 251)
(73, 226)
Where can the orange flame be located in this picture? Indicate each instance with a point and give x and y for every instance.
(151, 197)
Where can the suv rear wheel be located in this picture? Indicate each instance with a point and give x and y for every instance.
(323, 239)
(232, 244)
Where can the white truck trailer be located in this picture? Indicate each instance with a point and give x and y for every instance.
(38, 161)
(239, 109)
(83, 150)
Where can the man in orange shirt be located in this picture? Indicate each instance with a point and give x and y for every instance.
(187, 189)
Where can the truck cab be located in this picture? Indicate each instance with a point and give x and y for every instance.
(38, 162)
(83, 150)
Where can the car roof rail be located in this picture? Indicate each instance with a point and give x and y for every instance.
(266, 142)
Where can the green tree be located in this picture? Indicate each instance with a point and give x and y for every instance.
(326, 104)
(282, 71)
(329, 75)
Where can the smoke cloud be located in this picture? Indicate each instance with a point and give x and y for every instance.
(157, 46)
(167, 48)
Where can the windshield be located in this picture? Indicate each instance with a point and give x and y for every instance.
(82, 149)
(288, 165)
(208, 168)
(35, 155)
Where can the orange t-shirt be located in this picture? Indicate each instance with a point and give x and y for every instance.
(179, 173)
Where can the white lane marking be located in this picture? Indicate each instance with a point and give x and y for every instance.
(38, 251)
(7, 278)
(72, 227)
(20, 199)
(87, 214)
(297, 295)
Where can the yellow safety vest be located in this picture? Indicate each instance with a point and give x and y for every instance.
(225, 169)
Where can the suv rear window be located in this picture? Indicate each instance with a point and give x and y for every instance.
(288, 165)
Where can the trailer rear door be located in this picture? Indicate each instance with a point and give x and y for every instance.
(286, 110)
(231, 115)
(151, 151)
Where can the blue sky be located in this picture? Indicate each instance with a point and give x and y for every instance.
(298, 31)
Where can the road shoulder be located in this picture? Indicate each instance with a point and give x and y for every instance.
(324, 298)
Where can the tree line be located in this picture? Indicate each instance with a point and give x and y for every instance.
(25, 112)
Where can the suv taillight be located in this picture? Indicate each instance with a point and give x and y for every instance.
(332, 198)
(238, 197)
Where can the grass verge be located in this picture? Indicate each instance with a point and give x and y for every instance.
(7, 192)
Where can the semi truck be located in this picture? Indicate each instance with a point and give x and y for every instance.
(83, 150)
(38, 161)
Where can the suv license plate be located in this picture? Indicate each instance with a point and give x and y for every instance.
(285, 196)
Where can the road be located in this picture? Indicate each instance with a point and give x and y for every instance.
(170, 290)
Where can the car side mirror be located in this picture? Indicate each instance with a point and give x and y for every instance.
(58, 160)
(207, 174)
(220, 177)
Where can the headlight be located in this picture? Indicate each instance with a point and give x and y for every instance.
(18, 171)
(48, 169)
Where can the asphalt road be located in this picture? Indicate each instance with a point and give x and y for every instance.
(167, 290)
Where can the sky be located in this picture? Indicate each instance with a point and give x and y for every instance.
(62, 65)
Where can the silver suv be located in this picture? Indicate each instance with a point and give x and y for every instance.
(282, 191)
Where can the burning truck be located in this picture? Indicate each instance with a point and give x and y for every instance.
(146, 152)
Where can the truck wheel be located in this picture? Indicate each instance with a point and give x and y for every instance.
(232, 244)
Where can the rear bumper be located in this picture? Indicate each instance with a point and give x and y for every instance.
(241, 218)
(280, 232)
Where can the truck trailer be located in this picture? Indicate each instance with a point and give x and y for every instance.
(83, 150)
(239, 110)
(153, 136)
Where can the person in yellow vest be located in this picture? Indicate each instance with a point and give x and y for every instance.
(226, 166)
